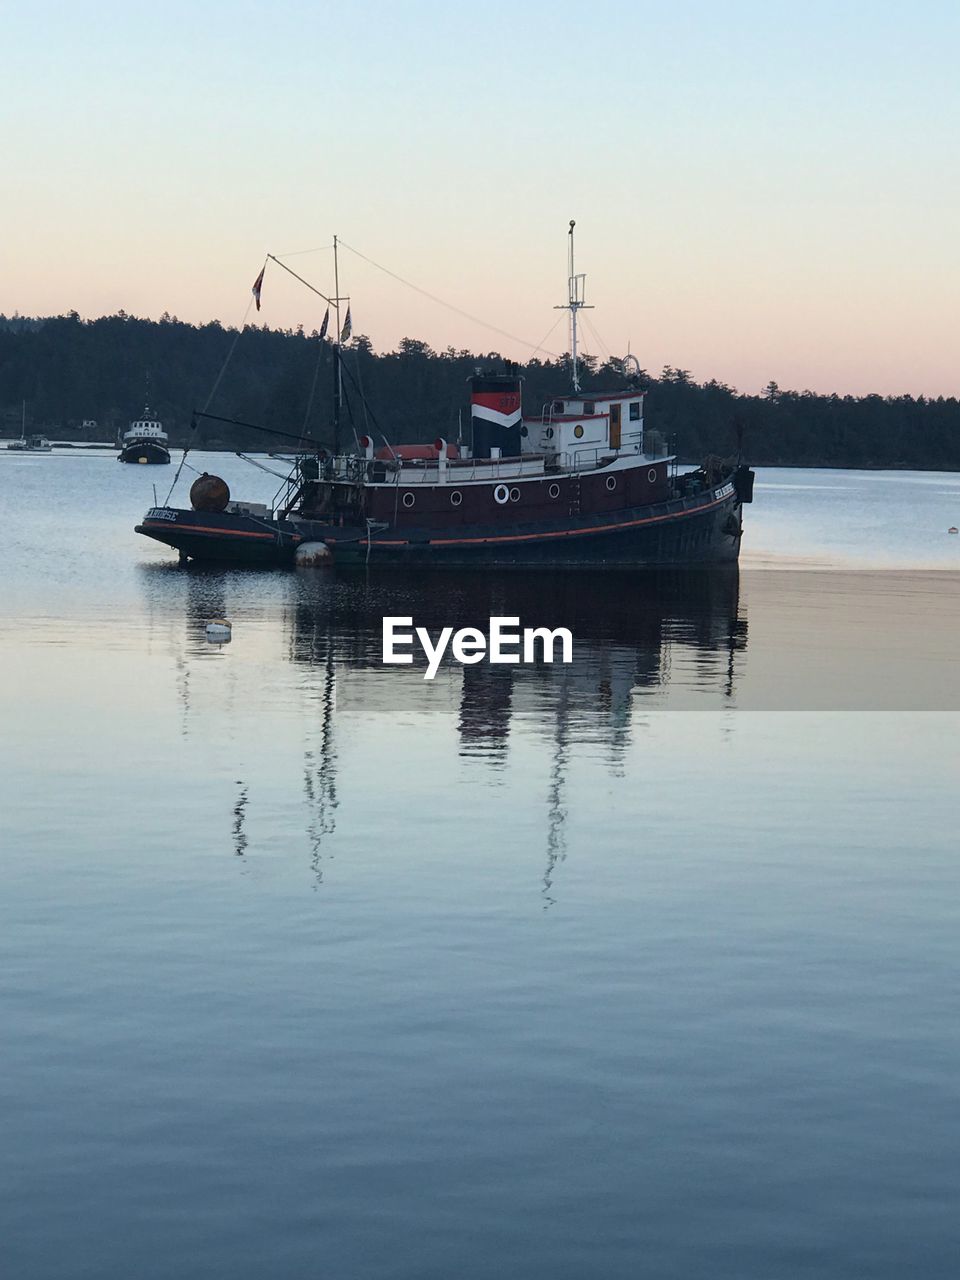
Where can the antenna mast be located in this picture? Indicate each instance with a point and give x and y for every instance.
(576, 290)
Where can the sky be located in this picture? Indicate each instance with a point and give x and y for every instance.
(762, 191)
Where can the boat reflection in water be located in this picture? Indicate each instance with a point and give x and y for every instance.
(631, 638)
(629, 634)
(640, 642)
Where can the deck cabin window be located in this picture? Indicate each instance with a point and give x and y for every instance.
(634, 410)
(588, 408)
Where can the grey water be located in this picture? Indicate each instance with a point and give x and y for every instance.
(642, 966)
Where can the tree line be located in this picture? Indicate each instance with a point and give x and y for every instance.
(68, 371)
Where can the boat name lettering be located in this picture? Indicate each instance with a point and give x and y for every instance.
(161, 513)
(724, 492)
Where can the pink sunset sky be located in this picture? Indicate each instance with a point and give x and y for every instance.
(762, 191)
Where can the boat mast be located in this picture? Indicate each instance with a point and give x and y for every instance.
(575, 303)
(335, 303)
(337, 371)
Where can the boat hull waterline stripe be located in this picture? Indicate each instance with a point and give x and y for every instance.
(220, 533)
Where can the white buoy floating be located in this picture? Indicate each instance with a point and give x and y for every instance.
(218, 631)
(313, 555)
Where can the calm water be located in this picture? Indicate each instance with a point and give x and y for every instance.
(641, 967)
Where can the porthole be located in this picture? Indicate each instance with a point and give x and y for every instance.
(409, 499)
(652, 475)
(456, 498)
(514, 495)
(611, 482)
(554, 491)
(549, 433)
(578, 431)
(524, 432)
(501, 494)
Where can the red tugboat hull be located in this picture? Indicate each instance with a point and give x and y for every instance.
(702, 529)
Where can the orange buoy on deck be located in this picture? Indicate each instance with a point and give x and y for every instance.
(209, 493)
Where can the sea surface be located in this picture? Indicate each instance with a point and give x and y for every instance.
(642, 966)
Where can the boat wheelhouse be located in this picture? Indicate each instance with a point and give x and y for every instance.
(145, 441)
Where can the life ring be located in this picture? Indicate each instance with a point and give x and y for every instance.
(501, 495)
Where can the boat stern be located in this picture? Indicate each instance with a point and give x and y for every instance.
(223, 536)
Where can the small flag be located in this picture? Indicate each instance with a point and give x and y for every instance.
(347, 327)
(258, 285)
(326, 321)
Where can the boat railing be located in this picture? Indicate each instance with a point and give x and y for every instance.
(358, 470)
(430, 471)
(594, 459)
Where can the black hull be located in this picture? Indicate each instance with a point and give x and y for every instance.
(222, 537)
(154, 454)
(684, 533)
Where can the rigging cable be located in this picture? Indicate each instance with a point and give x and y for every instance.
(353, 423)
(363, 398)
(597, 338)
(298, 253)
(213, 392)
(540, 346)
(368, 413)
(254, 463)
(313, 385)
(440, 301)
(367, 409)
(272, 257)
(255, 426)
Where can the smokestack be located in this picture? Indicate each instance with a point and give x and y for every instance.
(495, 413)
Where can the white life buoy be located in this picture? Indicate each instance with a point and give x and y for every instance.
(501, 494)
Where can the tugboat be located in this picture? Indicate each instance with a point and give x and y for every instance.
(144, 441)
(575, 486)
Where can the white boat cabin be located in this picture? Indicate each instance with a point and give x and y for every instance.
(578, 429)
(146, 428)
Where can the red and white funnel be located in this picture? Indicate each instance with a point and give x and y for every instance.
(495, 414)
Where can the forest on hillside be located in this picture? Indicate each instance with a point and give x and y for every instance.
(68, 371)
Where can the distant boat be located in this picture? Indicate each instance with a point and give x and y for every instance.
(145, 441)
(31, 444)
